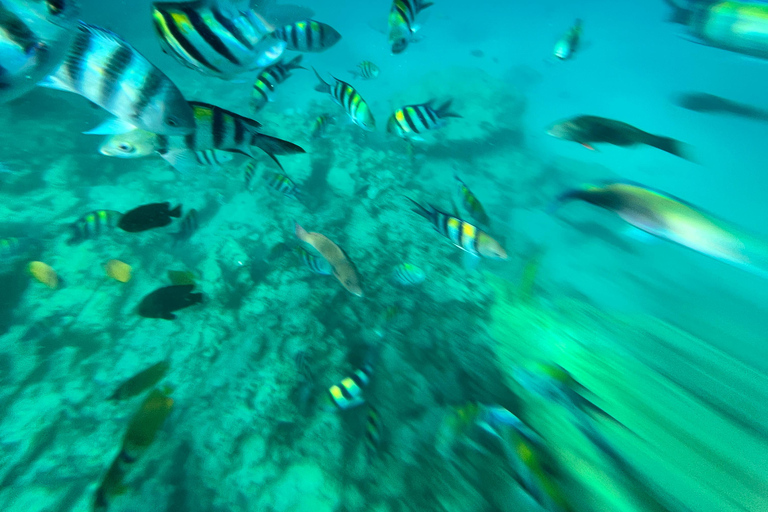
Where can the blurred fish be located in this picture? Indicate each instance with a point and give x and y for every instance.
(181, 277)
(320, 126)
(587, 130)
(250, 170)
(711, 104)
(402, 23)
(13, 250)
(283, 184)
(408, 275)
(162, 302)
(148, 216)
(316, 264)
(343, 268)
(412, 120)
(366, 70)
(348, 393)
(44, 274)
(373, 430)
(462, 234)
(34, 37)
(308, 36)
(92, 224)
(472, 204)
(217, 129)
(189, 225)
(118, 271)
(354, 105)
(673, 219)
(111, 485)
(145, 424)
(214, 38)
(277, 251)
(145, 379)
(306, 381)
(269, 79)
(109, 72)
(213, 158)
(567, 46)
(385, 319)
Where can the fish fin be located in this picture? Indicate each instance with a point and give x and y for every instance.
(176, 212)
(470, 261)
(168, 316)
(51, 83)
(111, 127)
(323, 86)
(274, 146)
(424, 212)
(101, 33)
(420, 6)
(670, 145)
(444, 110)
(300, 231)
(183, 160)
(295, 63)
(591, 148)
(638, 234)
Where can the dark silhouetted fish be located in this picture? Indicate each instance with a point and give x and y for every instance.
(145, 379)
(162, 302)
(148, 216)
(711, 104)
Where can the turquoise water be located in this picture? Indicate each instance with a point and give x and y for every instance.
(635, 368)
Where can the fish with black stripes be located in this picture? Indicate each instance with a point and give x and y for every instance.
(308, 36)
(366, 70)
(407, 274)
(320, 126)
(188, 227)
(215, 38)
(93, 224)
(411, 121)
(269, 79)
(373, 433)
(283, 184)
(348, 392)
(402, 23)
(249, 171)
(472, 203)
(108, 71)
(217, 129)
(313, 262)
(461, 233)
(34, 38)
(354, 105)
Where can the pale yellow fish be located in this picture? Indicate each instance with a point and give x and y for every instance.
(44, 273)
(118, 270)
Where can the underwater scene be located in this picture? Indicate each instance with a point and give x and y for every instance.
(383, 256)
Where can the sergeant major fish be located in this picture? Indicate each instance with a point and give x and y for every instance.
(343, 268)
(283, 184)
(402, 23)
(269, 79)
(34, 37)
(320, 126)
(93, 224)
(366, 70)
(189, 225)
(348, 393)
(567, 46)
(148, 216)
(472, 204)
(308, 36)
(109, 72)
(162, 302)
(411, 121)
(354, 105)
(462, 234)
(407, 274)
(214, 38)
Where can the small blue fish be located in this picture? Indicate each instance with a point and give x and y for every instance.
(408, 275)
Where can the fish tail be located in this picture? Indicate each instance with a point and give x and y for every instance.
(301, 233)
(420, 6)
(273, 146)
(295, 63)
(569, 195)
(323, 86)
(444, 110)
(424, 212)
(176, 212)
(679, 14)
(670, 145)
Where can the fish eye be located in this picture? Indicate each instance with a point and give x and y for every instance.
(55, 7)
(172, 121)
(125, 147)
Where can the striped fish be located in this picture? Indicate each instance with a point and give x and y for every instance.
(308, 36)
(213, 157)
(462, 234)
(346, 96)
(269, 79)
(320, 126)
(34, 37)
(472, 204)
(408, 275)
(188, 227)
(373, 429)
(315, 263)
(411, 121)
(283, 184)
(349, 392)
(365, 70)
(93, 224)
(250, 170)
(402, 22)
(215, 39)
(109, 72)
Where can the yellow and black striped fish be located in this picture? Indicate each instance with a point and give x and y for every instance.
(308, 36)
(269, 79)
(402, 22)
(373, 430)
(346, 96)
(315, 263)
(320, 126)
(214, 38)
(365, 70)
(472, 204)
(92, 224)
(411, 121)
(283, 184)
(109, 72)
(461, 233)
(348, 393)
(214, 158)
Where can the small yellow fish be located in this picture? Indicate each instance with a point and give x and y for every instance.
(118, 270)
(44, 273)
